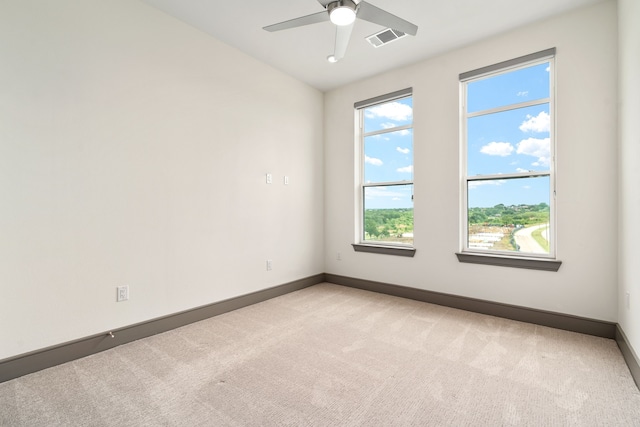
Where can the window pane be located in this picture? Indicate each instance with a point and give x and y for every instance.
(388, 157)
(388, 214)
(388, 115)
(527, 84)
(509, 142)
(509, 215)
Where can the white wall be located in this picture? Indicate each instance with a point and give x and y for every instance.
(133, 151)
(629, 134)
(585, 285)
(125, 136)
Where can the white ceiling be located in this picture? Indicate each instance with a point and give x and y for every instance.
(302, 52)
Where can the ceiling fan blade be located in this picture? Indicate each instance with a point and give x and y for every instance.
(374, 14)
(299, 22)
(343, 34)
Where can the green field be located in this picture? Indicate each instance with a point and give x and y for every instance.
(537, 235)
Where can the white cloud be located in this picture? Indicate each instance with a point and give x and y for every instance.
(376, 192)
(406, 169)
(402, 150)
(501, 149)
(372, 161)
(387, 125)
(521, 170)
(539, 123)
(391, 110)
(540, 148)
(476, 184)
(523, 93)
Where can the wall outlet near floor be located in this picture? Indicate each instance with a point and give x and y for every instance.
(627, 300)
(338, 256)
(269, 265)
(123, 293)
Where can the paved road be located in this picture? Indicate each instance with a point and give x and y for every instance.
(527, 243)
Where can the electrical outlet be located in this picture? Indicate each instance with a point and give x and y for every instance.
(269, 265)
(286, 180)
(123, 293)
(627, 297)
(339, 256)
(269, 178)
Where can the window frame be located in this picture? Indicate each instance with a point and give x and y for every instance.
(495, 257)
(373, 246)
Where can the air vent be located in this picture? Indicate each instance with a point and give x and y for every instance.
(384, 37)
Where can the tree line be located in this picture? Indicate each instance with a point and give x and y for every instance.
(382, 223)
(510, 216)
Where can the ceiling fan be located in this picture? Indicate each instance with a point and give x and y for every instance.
(343, 14)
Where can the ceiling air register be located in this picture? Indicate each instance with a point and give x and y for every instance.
(343, 14)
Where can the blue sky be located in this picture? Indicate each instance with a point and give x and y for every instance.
(499, 143)
(510, 141)
(389, 156)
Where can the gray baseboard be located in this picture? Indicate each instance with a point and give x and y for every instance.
(539, 317)
(567, 322)
(34, 361)
(633, 362)
(27, 363)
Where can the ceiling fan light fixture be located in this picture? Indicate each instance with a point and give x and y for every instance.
(342, 12)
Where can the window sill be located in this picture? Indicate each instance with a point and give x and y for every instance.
(384, 250)
(503, 261)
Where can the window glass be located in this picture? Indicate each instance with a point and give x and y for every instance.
(508, 173)
(514, 219)
(388, 197)
(388, 214)
(510, 192)
(388, 115)
(511, 87)
(509, 141)
(387, 172)
(388, 157)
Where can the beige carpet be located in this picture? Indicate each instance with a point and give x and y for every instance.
(335, 356)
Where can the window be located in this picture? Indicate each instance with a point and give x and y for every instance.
(385, 130)
(508, 158)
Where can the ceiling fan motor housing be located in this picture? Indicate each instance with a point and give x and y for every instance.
(334, 7)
